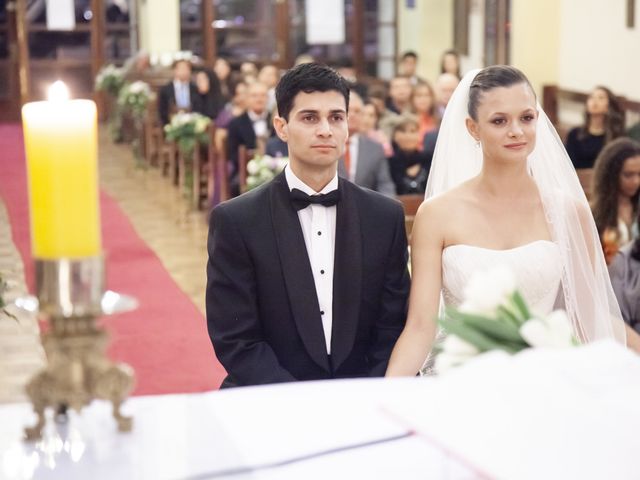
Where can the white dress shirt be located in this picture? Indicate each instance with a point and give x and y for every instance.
(182, 94)
(353, 157)
(319, 230)
(259, 122)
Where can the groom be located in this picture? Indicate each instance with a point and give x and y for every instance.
(307, 275)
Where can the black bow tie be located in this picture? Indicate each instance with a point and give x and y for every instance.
(301, 200)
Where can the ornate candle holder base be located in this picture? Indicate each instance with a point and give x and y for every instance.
(70, 295)
(78, 372)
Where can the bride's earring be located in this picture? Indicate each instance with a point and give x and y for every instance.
(478, 143)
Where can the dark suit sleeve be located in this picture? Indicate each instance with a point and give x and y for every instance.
(232, 314)
(393, 304)
(234, 140)
(164, 98)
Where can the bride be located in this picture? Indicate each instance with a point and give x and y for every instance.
(502, 190)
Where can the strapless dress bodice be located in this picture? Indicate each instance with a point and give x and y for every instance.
(537, 268)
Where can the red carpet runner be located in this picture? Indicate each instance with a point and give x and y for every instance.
(165, 340)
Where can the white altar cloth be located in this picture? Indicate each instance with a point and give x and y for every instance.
(541, 414)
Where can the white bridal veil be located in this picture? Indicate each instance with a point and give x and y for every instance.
(586, 289)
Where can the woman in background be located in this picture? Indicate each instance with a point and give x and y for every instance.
(409, 165)
(423, 104)
(235, 107)
(616, 191)
(450, 63)
(370, 118)
(603, 122)
(222, 69)
(208, 99)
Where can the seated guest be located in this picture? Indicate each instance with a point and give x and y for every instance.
(176, 96)
(399, 99)
(208, 99)
(249, 71)
(364, 162)
(248, 129)
(222, 69)
(377, 95)
(445, 85)
(450, 63)
(423, 105)
(398, 102)
(625, 279)
(370, 128)
(616, 191)
(409, 165)
(269, 76)
(408, 67)
(276, 147)
(233, 108)
(604, 121)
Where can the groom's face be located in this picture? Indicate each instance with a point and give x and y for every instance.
(317, 129)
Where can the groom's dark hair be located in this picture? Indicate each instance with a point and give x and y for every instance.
(308, 78)
(490, 78)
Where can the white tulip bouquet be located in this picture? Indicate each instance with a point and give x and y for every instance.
(494, 316)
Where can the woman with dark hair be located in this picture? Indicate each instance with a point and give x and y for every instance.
(450, 63)
(502, 192)
(603, 122)
(616, 191)
(208, 100)
(222, 69)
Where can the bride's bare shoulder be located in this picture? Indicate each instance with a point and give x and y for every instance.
(444, 203)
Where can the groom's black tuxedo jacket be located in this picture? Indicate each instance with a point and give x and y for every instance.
(262, 309)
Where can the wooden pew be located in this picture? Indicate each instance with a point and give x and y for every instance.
(410, 204)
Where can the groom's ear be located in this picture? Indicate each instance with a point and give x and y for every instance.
(281, 127)
(472, 128)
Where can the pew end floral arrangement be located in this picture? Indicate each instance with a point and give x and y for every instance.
(263, 168)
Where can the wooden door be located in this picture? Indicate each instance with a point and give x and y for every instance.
(9, 67)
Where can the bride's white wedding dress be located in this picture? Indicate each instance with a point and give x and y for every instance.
(537, 268)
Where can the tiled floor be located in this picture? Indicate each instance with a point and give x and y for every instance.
(159, 215)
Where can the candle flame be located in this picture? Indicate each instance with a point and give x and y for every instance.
(58, 91)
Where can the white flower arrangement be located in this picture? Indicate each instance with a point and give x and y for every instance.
(188, 129)
(134, 97)
(494, 316)
(263, 168)
(110, 79)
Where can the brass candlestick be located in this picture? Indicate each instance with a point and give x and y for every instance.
(70, 295)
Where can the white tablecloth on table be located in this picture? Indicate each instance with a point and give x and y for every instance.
(542, 414)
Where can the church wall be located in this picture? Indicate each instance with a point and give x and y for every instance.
(427, 29)
(596, 47)
(159, 25)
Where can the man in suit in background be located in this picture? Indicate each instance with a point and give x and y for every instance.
(307, 275)
(363, 162)
(247, 128)
(177, 95)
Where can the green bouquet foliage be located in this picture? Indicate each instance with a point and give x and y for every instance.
(188, 130)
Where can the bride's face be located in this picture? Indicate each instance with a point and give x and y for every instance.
(506, 123)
